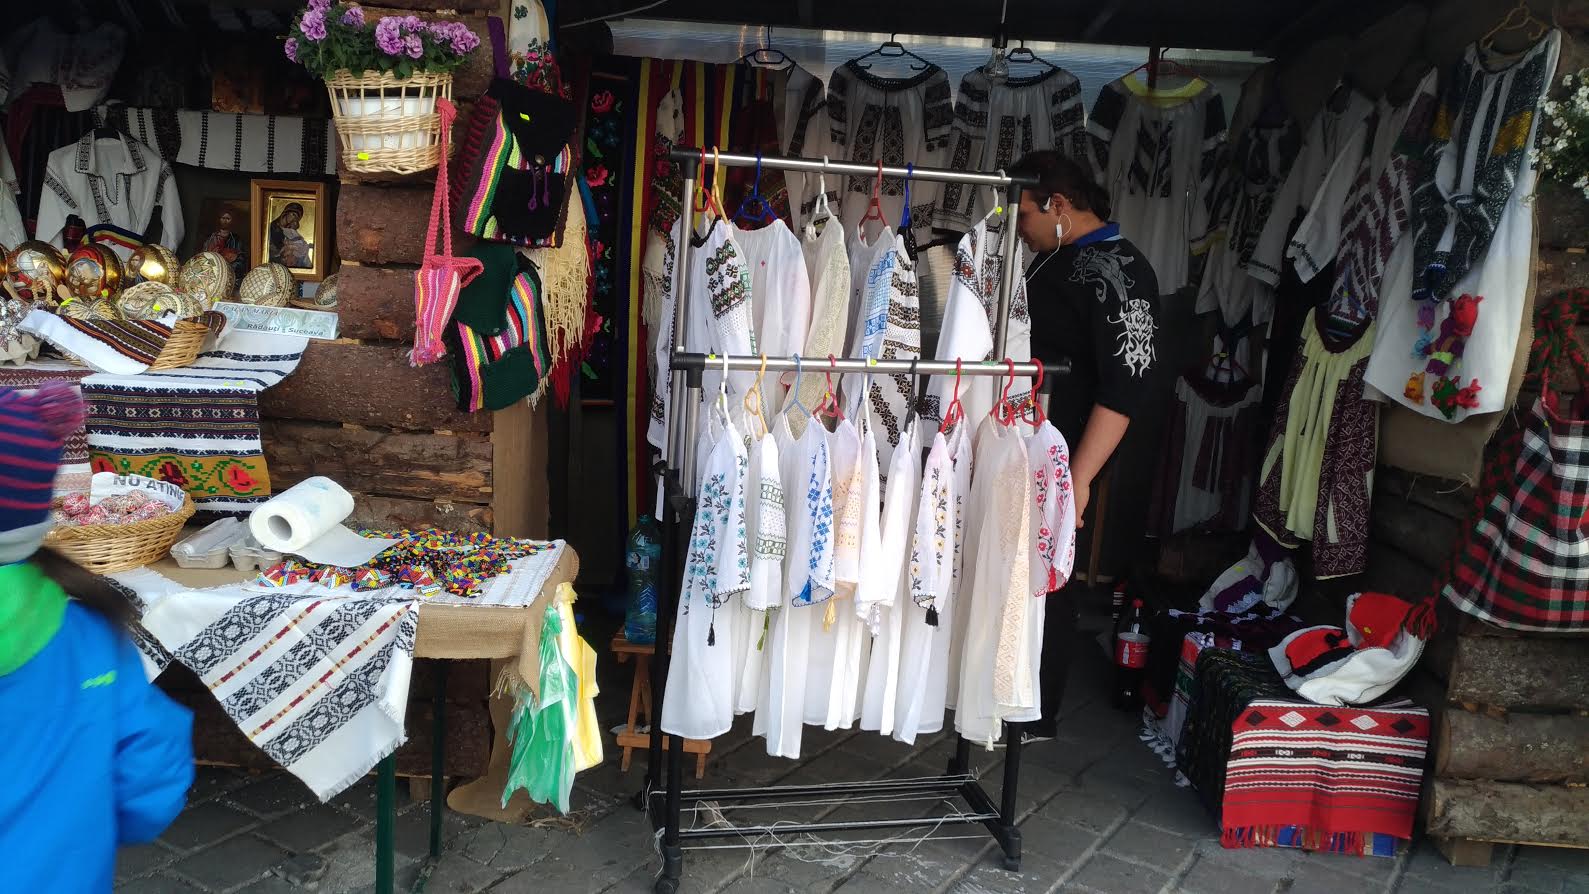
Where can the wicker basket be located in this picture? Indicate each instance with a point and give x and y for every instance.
(388, 125)
(104, 549)
(187, 340)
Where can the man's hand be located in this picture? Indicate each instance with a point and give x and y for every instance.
(1080, 492)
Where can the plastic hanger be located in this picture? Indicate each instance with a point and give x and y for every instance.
(955, 412)
(755, 208)
(830, 401)
(717, 183)
(794, 393)
(1158, 64)
(1022, 54)
(821, 209)
(722, 390)
(1002, 412)
(892, 49)
(753, 399)
(910, 397)
(766, 56)
(874, 208)
(1517, 18)
(705, 202)
(1038, 417)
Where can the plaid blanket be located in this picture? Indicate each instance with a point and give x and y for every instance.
(318, 682)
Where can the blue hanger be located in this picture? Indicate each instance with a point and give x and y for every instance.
(794, 393)
(754, 208)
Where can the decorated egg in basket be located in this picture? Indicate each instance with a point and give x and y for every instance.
(153, 263)
(207, 277)
(268, 285)
(147, 300)
(36, 268)
(93, 272)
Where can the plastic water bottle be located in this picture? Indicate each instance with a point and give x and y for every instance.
(642, 558)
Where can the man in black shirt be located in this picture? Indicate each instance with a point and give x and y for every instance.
(1094, 301)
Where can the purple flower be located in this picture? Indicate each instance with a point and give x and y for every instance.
(413, 46)
(320, 5)
(291, 48)
(388, 36)
(313, 24)
(412, 23)
(464, 40)
(354, 17)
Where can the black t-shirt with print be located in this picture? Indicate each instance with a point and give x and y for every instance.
(1096, 304)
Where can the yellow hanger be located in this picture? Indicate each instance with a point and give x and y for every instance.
(1518, 17)
(717, 183)
(753, 398)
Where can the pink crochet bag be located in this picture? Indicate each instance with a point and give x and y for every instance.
(439, 280)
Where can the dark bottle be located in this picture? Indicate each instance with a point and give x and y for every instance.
(1117, 604)
(1131, 657)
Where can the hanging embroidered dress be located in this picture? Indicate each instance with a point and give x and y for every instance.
(929, 602)
(996, 679)
(1244, 200)
(898, 339)
(1333, 128)
(1154, 151)
(892, 120)
(998, 119)
(1054, 512)
(808, 576)
(971, 317)
(1206, 481)
(698, 702)
(765, 526)
(1471, 232)
(886, 591)
(1318, 468)
(832, 669)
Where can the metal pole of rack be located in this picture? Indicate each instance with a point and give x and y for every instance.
(687, 155)
(685, 360)
(1001, 320)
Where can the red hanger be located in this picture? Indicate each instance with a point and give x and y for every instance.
(830, 402)
(1002, 411)
(1038, 416)
(955, 413)
(874, 209)
(1157, 64)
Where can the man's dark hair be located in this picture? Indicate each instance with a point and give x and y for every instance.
(1060, 175)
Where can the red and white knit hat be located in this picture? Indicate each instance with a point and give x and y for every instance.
(34, 426)
(1354, 666)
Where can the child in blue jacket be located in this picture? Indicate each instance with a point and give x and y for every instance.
(93, 754)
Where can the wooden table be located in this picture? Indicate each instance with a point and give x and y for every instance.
(445, 631)
(640, 706)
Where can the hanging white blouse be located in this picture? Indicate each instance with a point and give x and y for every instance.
(864, 275)
(1154, 151)
(1000, 118)
(850, 634)
(885, 590)
(970, 318)
(661, 253)
(780, 295)
(699, 700)
(828, 262)
(803, 132)
(930, 597)
(1450, 359)
(781, 707)
(717, 318)
(117, 181)
(895, 121)
(1332, 128)
(899, 339)
(844, 449)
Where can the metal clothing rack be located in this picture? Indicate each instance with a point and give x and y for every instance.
(664, 792)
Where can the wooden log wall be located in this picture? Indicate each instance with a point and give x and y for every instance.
(356, 411)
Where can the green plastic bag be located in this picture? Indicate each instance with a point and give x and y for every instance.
(541, 731)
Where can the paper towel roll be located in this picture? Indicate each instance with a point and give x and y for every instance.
(306, 520)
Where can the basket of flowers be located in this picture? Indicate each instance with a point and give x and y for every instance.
(384, 74)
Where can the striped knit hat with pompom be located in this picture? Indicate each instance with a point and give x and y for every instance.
(34, 426)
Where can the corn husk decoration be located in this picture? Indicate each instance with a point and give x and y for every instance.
(566, 285)
(148, 300)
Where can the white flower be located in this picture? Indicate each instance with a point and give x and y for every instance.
(1567, 79)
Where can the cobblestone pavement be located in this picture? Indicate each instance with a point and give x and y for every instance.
(1099, 813)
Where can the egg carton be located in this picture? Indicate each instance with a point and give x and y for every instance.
(248, 555)
(209, 546)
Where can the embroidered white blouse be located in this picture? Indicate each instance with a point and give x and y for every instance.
(115, 181)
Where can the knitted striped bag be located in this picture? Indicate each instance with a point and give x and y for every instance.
(491, 372)
(439, 280)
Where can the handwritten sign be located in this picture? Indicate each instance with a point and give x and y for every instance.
(279, 320)
(109, 484)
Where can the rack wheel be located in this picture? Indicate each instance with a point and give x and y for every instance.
(666, 885)
(1012, 864)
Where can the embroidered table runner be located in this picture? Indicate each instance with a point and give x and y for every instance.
(225, 141)
(318, 682)
(197, 427)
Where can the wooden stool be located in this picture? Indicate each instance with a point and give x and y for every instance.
(640, 707)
